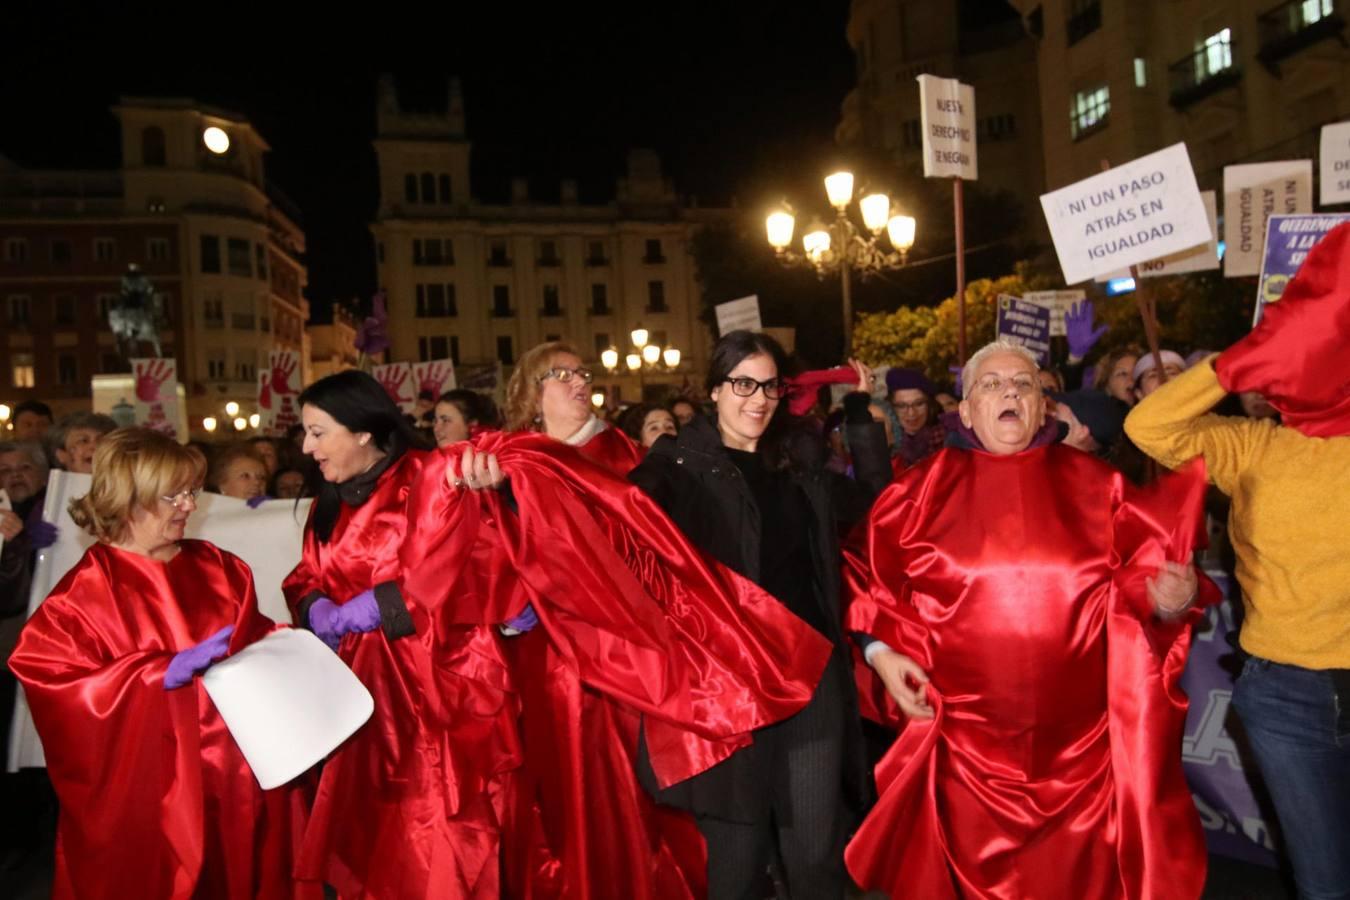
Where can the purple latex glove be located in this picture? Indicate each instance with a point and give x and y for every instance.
(41, 533)
(1078, 329)
(255, 502)
(525, 621)
(194, 660)
(330, 621)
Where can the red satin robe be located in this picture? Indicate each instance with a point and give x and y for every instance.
(1053, 766)
(633, 619)
(410, 805)
(156, 799)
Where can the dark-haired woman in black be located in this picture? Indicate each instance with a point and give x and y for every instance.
(749, 488)
(405, 807)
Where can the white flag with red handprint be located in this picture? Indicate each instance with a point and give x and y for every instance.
(397, 381)
(278, 388)
(434, 377)
(156, 385)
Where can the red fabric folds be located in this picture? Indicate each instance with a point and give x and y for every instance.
(634, 621)
(1052, 767)
(154, 793)
(1295, 356)
(411, 805)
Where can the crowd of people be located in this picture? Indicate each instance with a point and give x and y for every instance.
(634, 658)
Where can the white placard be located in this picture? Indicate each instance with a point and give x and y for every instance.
(1147, 208)
(436, 376)
(1334, 160)
(156, 393)
(947, 110)
(266, 694)
(268, 538)
(1253, 193)
(397, 381)
(1059, 302)
(735, 315)
(1197, 259)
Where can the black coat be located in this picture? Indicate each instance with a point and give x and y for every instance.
(695, 481)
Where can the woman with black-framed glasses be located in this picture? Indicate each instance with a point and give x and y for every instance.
(751, 490)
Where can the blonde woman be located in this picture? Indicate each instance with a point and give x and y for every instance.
(154, 793)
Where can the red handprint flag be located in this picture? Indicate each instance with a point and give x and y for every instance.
(156, 386)
(397, 381)
(434, 377)
(278, 387)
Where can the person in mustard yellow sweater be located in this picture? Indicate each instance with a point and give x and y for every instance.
(1290, 490)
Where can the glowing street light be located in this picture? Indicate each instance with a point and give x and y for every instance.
(216, 140)
(231, 409)
(209, 424)
(240, 423)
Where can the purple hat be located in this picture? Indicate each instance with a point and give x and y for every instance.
(909, 380)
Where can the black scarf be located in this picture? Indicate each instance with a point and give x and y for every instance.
(353, 492)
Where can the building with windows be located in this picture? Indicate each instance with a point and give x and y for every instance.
(1237, 80)
(481, 283)
(190, 205)
(895, 41)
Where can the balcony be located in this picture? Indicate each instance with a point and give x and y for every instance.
(597, 260)
(1083, 22)
(1207, 71)
(1297, 25)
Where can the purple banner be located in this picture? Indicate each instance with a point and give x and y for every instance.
(1222, 778)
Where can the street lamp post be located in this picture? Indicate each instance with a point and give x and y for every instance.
(643, 357)
(842, 244)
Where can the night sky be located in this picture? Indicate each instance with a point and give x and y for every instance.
(739, 98)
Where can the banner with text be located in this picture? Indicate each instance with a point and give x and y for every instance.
(1288, 240)
(157, 395)
(397, 381)
(1253, 193)
(1139, 211)
(735, 315)
(1334, 160)
(947, 110)
(278, 390)
(1025, 323)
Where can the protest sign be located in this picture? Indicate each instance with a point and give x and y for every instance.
(735, 315)
(1200, 258)
(1334, 163)
(1058, 302)
(1253, 193)
(1025, 323)
(1288, 240)
(278, 391)
(397, 381)
(947, 111)
(434, 377)
(1139, 211)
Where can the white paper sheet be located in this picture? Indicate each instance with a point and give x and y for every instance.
(288, 702)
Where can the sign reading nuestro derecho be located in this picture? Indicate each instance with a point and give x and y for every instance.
(1139, 211)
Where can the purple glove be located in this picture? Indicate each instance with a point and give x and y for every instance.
(189, 662)
(1078, 329)
(41, 533)
(255, 502)
(330, 621)
(525, 621)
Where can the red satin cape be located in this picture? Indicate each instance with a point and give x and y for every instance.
(1053, 766)
(1295, 356)
(411, 805)
(633, 620)
(156, 799)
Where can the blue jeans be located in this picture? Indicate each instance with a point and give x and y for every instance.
(1299, 729)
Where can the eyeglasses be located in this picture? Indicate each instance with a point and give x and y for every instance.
(746, 387)
(564, 374)
(1025, 385)
(182, 498)
(916, 406)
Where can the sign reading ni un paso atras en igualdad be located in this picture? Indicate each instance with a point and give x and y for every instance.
(1139, 211)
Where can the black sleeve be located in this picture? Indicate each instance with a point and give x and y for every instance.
(853, 497)
(16, 572)
(653, 476)
(395, 619)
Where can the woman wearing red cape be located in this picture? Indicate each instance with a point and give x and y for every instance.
(635, 629)
(1022, 611)
(156, 799)
(411, 805)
